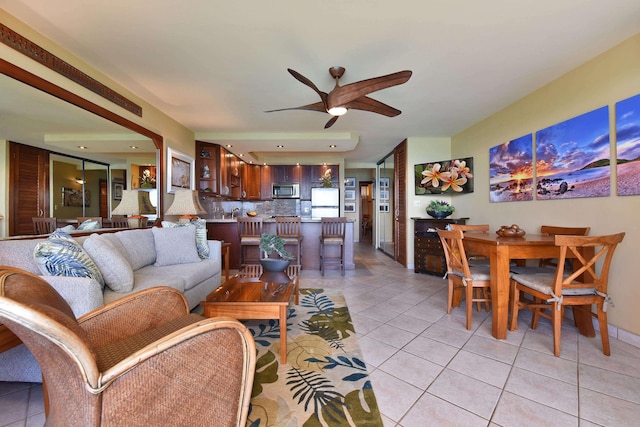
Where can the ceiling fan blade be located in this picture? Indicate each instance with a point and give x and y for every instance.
(342, 95)
(331, 121)
(302, 79)
(369, 104)
(316, 106)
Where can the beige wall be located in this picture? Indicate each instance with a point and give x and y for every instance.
(608, 78)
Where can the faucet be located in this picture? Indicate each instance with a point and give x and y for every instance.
(234, 211)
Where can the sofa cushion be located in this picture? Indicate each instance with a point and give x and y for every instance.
(175, 245)
(191, 274)
(201, 234)
(88, 225)
(139, 245)
(113, 265)
(145, 278)
(61, 255)
(19, 253)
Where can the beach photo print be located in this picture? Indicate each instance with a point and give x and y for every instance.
(573, 158)
(511, 170)
(628, 146)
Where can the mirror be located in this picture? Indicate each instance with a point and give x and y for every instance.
(77, 129)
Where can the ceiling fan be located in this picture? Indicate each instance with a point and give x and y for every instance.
(350, 96)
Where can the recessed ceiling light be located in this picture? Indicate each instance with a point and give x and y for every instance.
(241, 155)
(133, 147)
(228, 145)
(333, 146)
(82, 147)
(280, 146)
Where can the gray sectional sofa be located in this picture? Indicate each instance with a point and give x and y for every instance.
(129, 261)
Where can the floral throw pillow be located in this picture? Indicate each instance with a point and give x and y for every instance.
(201, 234)
(61, 255)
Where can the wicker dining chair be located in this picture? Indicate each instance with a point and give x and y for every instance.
(141, 360)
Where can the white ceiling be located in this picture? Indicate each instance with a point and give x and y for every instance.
(216, 66)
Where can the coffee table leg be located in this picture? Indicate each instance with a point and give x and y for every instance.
(283, 334)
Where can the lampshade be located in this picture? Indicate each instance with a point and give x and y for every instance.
(186, 204)
(134, 203)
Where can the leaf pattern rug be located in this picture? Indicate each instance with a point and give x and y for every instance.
(325, 380)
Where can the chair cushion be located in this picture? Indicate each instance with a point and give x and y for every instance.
(541, 282)
(333, 241)
(61, 255)
(248, 240)
(175, 245)
(113, 265)
(201, 234)
(479, 273)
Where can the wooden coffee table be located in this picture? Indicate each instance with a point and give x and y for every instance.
(252, 299)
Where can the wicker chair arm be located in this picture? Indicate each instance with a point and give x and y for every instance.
(133, 314)
(211, 362)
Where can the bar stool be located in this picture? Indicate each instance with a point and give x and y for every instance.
(289, 228)
(332, 234)
(249, 232)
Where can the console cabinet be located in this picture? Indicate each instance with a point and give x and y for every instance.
(427, 251)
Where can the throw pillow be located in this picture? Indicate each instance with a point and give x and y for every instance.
(61, 255)
(67, 228)
(201, 234)
(175, 245)
(89, 225)
(113, 264)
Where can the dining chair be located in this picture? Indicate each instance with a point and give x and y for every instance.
(290, 229)
(473, 258)
(332, 234)
(119, 222)
(249, 232)
(82, 219)
(552, 230)
(43, 225)
(463, 276)
(587, 284)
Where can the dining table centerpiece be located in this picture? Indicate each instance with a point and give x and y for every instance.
(439, 209)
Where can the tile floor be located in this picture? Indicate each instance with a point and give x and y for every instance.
(428, 370)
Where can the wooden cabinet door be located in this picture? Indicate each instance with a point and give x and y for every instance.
(307, 179)
(28, 187)
(265, 182)
(252, 181)
(207, 168)
(285, 173)
(400, 200)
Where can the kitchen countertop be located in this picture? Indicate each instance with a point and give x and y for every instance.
(303, 220)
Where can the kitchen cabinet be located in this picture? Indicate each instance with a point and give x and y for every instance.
(252, 181)
(265, 182)
(207, 168)
(285, 173)
(427, 251)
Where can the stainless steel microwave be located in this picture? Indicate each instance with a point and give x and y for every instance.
(285, 190)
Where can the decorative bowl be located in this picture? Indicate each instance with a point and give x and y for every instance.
(252, 214)
(512, 231)
(438, 215)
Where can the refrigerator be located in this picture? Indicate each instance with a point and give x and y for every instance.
(325, 202)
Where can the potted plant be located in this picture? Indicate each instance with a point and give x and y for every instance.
(270, 243)
(439, 209)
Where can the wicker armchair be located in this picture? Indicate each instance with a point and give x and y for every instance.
(140, 360)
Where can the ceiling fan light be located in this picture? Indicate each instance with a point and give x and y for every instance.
(337, 111)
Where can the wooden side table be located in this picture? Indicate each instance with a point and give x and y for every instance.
(225, 259)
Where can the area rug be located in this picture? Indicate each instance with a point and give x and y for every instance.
(325, 380)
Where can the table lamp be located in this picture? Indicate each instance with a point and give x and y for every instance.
(186, 204)
(133, 204)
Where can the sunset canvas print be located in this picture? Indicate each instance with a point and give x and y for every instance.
(628, 145)
(511, 170)
(573, 157)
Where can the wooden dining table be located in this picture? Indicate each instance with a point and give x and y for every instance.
(501, 251)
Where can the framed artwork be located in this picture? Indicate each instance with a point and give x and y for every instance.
(350, 183)
(444, 176)
(349, 194)
(117, 190)
(573, 157)
(628, 145)
(511, 170)
(384, 207)
(350, 207)
(180, 171)
(384, 195)
(73, 198)
(384, 182)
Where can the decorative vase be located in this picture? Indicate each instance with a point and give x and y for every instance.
(273, 270)
(439, 215)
